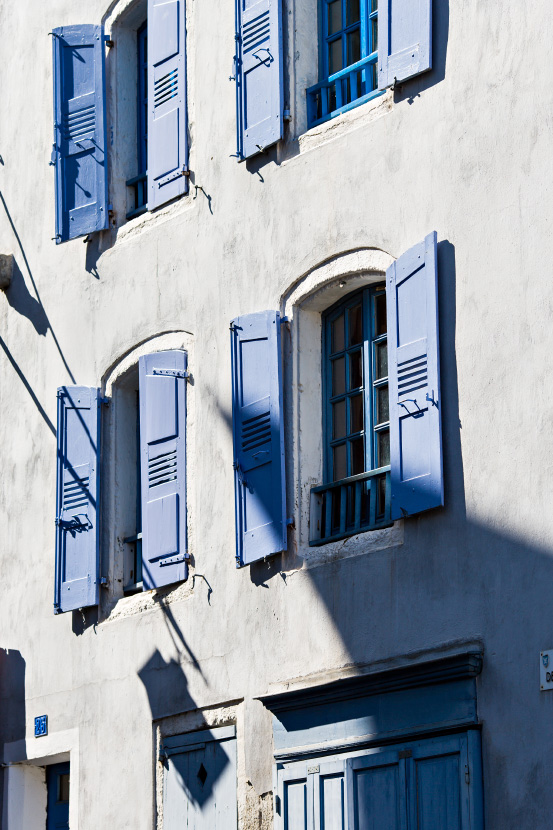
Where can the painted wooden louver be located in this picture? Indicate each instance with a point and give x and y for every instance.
(167, 127)
(79, 152)
(258, 437)
(404, 40)
(162, 385)
(414, 381)
(77, 499)
(258, 68)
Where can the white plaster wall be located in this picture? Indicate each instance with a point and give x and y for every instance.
(24, 798)
(465, 150)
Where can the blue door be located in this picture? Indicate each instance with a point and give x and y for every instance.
(57, 781)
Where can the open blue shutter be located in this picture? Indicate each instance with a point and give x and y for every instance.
(167, 128)
(80, 131)
(414, 381)
(440, 788)
(259, 87)
(77, 497)
(258, 436)
(404, 40)
(162, 395)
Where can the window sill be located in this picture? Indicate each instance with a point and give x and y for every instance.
(358, 114)
(369, 541)
(151, 219)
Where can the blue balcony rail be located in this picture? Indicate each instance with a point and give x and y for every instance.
(352, 505)
(345, 89)
(140, 186)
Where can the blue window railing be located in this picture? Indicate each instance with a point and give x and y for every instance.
(349, 43)
(352, 505)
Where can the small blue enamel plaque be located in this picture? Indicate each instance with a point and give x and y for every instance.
(41, 726)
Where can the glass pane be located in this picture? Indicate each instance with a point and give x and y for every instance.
(352, 11)
(334, 17)
(354, 47)
(356, 413)
(338, 338)
(339, 419)
(357, 456)
(374, 32)
(381, 360)
(334, 56)
(356, 369)
(355, 325)
(382, 405)
(338, 376)
(339, 462)
(380, 314)
(383, 448)
(63, 794)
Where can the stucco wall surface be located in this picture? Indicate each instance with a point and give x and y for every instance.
(465, 150)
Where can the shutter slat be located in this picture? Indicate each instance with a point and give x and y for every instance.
(167, 111)
(259, 83)
(414, 381)
(258, 437)
(77, 500)
(162, 402)
(80, 131)
(404, 40)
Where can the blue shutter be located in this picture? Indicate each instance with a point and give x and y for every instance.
(259, 87)
(77, 496)
(162, 395)
(414, 381)
(329, 794)
(295, 799)
(167, 127)
(442, 784)
(80, 131)
(404, 40)
(376, 791)
(258, 437)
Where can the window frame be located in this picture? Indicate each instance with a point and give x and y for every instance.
(370, 340)
(139, 182)
(361, 74)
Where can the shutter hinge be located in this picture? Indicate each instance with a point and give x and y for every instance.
(284, 320)
(105, 401)
(174, 560)
(290, 522)
(109, 42)
(286, 115)
(467, 774)
(104, 582)
(185, 171)
(174, 373)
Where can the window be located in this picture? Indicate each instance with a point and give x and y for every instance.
(349, 39)
(148, 464)
(139, 182)
(356, 417)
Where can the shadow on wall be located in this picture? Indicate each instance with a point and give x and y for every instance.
(12, 704)
(166, 685)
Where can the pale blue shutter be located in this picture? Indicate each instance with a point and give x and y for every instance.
(294, 801)
(77, 497)
(444, 786)
(376, 791)
(329, 794)
(404, 39)
(167, 127)
(259, 85)
(414, 381)
(258, 436)
(162, 395)
(80, 131)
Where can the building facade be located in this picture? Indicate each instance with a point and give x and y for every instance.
(274, 340)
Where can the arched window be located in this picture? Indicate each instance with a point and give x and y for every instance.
(355, 416)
